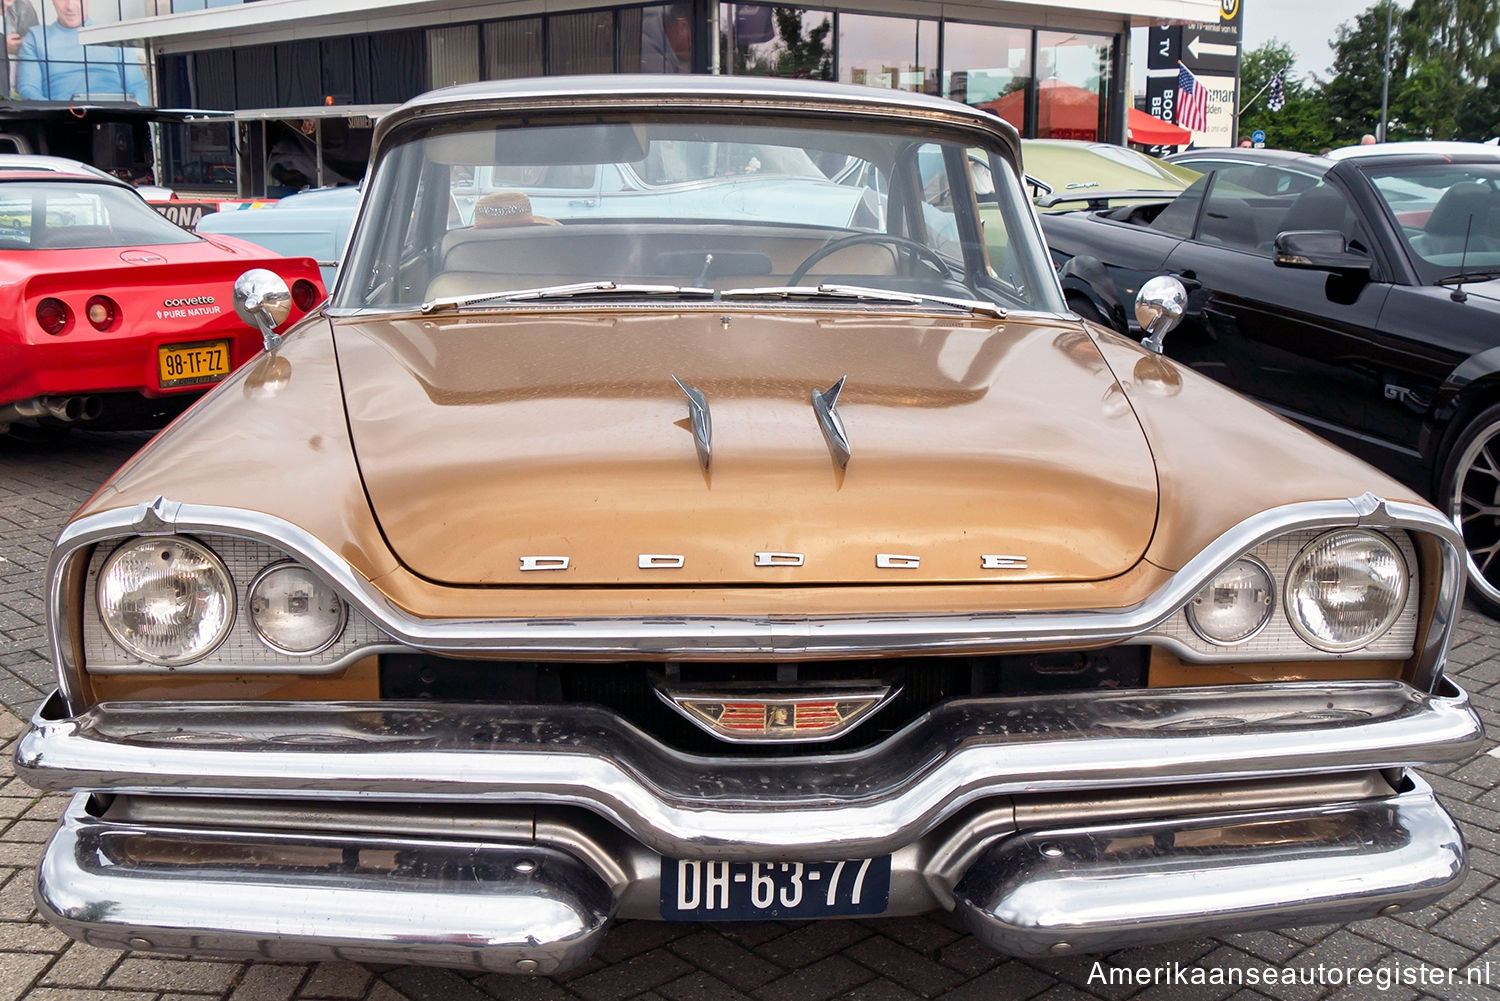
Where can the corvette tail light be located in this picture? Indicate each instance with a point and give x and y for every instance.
(52, 314)
(304, 294)
(101, 311)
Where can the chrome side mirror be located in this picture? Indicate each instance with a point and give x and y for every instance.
(262, 300)
(1159, 307)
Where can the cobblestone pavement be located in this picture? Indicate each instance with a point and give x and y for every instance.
(41, 482)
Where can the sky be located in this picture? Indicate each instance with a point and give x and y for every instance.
(1305, 25)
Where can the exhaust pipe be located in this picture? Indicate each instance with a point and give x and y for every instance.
(67, 409)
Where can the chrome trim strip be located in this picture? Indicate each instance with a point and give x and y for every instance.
(856, 804)
(825, 403)
(506, 907)
(1105, 887)
(703, 425)
(785, 636)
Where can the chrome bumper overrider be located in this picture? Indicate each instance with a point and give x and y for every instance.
(510, 908)
(1097, 888)
(848, 805)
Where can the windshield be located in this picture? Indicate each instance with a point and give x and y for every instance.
(64, 215)
(1447, 213)
(666, 204)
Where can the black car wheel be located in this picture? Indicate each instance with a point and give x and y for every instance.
(1469, 491)
(1086, 310)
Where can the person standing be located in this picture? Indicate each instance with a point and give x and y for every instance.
(55, 66)
(18, 17)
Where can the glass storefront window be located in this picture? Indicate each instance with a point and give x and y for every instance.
(513, 48)
(1074, 74)
(988, 66)
(657, 39)
(453, 55)
(761, 40)
(581, 43)
(893, 52)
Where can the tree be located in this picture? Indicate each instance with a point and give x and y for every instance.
(809, 57)
(1303, 123)
(1352, 95)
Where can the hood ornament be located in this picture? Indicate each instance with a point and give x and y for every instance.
(824, 403)
(703, 425)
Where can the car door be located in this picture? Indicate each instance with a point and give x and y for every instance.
(1290, 338)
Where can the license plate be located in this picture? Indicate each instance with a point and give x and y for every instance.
(192, 364)
(699, 890)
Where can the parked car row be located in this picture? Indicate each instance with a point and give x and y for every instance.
(1357, 296)
(114, 316)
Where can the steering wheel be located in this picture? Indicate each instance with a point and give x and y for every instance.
(923, 253)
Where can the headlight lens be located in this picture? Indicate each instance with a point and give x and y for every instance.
(295, 611)
(1235, 605)
(1345, 589)
(168, 601)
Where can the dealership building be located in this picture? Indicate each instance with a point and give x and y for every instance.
(1052, 69)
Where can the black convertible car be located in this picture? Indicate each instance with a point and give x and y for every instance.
(1360, 298)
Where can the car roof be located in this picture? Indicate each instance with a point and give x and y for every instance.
(1421, 146)
(51, 164)
(1285, 157)
(643, 90)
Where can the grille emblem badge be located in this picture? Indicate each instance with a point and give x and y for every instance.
(773, 714)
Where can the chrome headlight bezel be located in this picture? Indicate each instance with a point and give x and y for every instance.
(1398, 604)
(218, 572)
(1265, 619)
(256, 626)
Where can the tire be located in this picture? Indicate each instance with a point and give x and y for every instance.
(1469, 492)
(1086, 310)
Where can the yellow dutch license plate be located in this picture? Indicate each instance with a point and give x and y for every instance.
(192, 364)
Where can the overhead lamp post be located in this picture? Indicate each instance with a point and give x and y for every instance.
(1385, 82)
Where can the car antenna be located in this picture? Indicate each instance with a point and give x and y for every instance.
(1458, 294)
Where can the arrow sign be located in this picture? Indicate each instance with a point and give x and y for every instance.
(1199, 48)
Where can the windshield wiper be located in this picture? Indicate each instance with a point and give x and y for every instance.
(574, 291)
(863, 294)
(1469, 276)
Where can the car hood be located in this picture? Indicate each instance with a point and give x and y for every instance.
(483, 440)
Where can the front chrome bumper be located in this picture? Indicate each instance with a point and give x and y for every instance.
(849, 805)
(518, 904)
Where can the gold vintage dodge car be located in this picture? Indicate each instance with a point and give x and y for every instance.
(696, 503)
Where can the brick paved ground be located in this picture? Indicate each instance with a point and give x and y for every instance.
(42, 482)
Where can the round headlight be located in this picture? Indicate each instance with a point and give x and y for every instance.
(294, 611)
(1235, 605)
(168, 600)
(1345, 589)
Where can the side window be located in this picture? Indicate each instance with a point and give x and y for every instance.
(1182, 212)
(1323, 206)
(938, 211)
(1233, 214)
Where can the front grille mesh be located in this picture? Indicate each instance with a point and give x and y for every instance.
(628, 688)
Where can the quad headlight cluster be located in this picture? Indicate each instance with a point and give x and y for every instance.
(1342, 591)
(170, 601)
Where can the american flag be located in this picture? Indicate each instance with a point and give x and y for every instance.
(1192, 102)
(1276, 99)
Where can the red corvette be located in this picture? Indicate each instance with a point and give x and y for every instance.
(111, 314)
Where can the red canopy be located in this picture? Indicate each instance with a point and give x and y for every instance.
(1069, 112)
(1148, 131)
